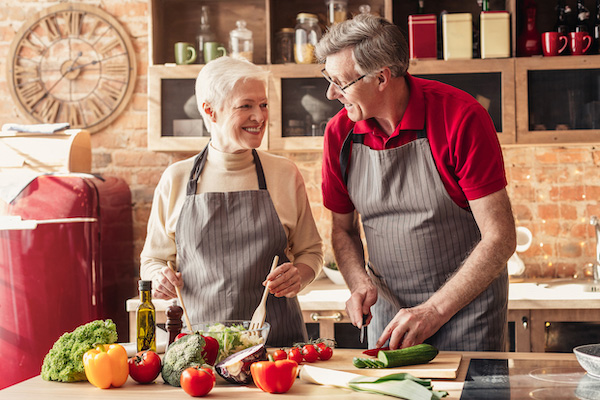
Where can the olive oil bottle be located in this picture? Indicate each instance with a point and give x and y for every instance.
(146, 318)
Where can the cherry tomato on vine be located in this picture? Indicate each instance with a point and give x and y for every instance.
(309, 352)
(279, 355)
(295, 354)
(325, 352)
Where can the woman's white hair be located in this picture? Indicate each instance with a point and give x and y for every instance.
(217, 79)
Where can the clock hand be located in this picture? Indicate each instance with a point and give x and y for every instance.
(95, 62)
(63, 74)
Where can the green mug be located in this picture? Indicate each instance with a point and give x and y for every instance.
(185, 53)
(213, 50)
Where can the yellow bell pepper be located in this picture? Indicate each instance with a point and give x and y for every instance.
(106, 365)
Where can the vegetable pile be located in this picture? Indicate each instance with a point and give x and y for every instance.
(64, 362)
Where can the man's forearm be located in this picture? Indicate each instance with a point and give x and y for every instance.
(486, 261)
(348, 250)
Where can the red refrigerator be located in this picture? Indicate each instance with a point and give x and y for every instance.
(66, 258)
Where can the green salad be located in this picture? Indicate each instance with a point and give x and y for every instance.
(232, 338)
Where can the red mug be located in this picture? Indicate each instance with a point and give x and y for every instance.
(553, 43)
(580, 42)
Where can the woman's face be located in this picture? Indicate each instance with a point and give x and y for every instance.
(240, 124)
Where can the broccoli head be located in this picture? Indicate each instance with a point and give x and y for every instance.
(64, 362)
(181, 354)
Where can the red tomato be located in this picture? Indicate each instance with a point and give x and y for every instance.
(279, 355)
(295, 354)
(197, 381)
(180, 336)
(309, 353)
(145, 366)
(325, 352)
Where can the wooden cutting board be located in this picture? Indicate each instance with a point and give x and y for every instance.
(443, 366)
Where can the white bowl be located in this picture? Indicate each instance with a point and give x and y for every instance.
(589, 357)
(335, 276)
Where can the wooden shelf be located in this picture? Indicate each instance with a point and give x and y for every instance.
(177, 20)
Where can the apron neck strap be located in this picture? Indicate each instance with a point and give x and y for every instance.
(356, 138)
(200, 161)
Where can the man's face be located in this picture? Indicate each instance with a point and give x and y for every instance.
(357, 98)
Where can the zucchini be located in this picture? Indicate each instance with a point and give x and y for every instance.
(419, 354)
(359, 362)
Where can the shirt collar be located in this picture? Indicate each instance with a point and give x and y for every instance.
(414, 116)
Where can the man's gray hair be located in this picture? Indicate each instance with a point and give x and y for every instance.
(375, 41)
(217, 79)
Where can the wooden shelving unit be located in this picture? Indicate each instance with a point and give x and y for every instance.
(510, 79)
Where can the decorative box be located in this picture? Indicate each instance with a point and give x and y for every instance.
(457, 32)
(422, 36)
(495, 34)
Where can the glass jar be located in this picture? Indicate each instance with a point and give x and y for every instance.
(307, 35)
(284, 46)
(205, 34)
(336, 11)
(241, 44)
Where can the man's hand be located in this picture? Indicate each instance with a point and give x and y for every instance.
(359, 304)
(411, 326)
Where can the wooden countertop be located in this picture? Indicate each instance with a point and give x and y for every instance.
(36, 388)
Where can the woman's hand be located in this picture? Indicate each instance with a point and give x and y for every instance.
(164, 283)
(288, 279)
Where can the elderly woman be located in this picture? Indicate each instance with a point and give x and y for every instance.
(223, 215)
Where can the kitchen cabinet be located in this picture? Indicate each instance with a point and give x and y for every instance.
(530, 99)
(562, 98)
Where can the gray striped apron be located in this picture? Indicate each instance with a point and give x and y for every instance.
(226, 242)
(417, 237)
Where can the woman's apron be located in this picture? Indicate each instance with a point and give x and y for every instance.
(417, 237)
(226, 242)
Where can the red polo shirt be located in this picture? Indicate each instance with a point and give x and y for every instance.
(461, 134)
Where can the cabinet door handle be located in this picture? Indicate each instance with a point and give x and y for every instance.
(525, 323)
(336, 316)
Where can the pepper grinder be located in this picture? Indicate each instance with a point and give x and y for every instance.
(174, 323)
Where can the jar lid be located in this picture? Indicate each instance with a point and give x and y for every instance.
(241, 32)
(286, 30)
(307, 16)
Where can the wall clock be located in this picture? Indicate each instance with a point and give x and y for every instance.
(72, 63)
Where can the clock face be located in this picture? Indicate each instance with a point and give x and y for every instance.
(72, 63)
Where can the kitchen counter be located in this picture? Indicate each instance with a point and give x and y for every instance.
(519, 376)
(530, 306)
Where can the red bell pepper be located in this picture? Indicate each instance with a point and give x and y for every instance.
(274, 376)
(211, 350)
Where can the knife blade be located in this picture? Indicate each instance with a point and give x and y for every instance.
(363, 328)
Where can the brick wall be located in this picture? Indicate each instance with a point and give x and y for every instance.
(553, 189)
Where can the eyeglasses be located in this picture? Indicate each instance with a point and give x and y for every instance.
(337, 86)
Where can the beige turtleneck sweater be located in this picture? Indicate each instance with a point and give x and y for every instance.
(225, 172)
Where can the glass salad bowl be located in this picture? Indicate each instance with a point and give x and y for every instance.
(233, 335)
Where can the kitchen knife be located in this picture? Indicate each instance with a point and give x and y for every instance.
(363, 328)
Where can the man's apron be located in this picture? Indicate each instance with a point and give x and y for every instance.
(226, 242)
(417, 237)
